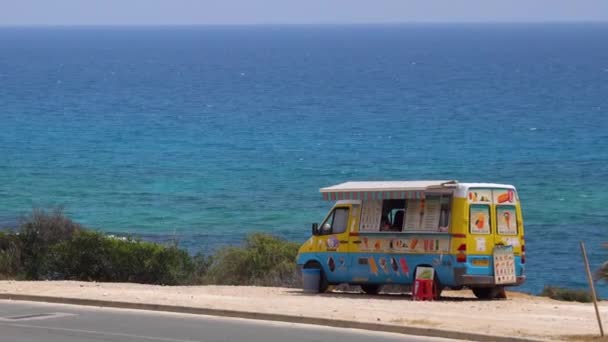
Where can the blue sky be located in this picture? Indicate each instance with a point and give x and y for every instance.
(159, 12)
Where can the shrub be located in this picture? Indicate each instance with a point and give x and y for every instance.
(92, 255)
(37, 233)
(265, 260)
(169, 266)
(49, 245)
(569, 295)
(84, 257)
(9, 255)
(230, 266)
(202, 263)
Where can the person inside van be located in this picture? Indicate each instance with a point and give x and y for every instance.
(393, 211)
(397, 225)
(385, 224)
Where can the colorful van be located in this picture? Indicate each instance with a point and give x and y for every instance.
(377, 233)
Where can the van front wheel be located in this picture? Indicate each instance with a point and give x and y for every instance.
(323, 282)
(371, 289)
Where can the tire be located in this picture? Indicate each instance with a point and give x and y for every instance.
(323, 283)
(500, 293)
(489, 293)
(371, 289)
(438, 288)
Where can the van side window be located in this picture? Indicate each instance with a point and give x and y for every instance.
(336, 222)
(393, 215)
(479, 219)
(445, 212)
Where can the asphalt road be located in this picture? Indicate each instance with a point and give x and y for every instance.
(31, 322)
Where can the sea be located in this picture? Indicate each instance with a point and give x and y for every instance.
(205, 134)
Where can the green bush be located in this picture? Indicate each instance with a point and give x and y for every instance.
(90, 255)
(202, 263)
(37, 234)
(265, 260)
(49, 245)
(569, 295)
(9, 254)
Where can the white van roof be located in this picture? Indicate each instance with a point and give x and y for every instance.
(399, 189)
(382, 190)
(387, 186)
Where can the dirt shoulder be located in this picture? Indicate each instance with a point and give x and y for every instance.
(519, 316)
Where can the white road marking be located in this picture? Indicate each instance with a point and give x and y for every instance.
(36, 316)
(94, 332)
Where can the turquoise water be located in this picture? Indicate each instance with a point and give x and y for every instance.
(207, 133)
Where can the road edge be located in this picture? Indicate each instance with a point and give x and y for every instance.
(418, 331)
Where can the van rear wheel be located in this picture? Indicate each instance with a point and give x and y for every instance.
(371, 289)
(489, 292)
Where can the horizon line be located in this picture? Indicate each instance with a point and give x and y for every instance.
(394, 23)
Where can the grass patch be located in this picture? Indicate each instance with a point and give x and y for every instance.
(565, 294)
(49, 245)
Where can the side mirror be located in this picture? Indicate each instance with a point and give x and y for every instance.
(315, 228)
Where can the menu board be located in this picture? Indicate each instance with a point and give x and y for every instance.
(432, 212)
(414, 215)
(370, 216)
(504, 265)
(423, 215)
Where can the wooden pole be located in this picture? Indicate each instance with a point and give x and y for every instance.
(592, 287)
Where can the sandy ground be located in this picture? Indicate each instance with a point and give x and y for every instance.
(521, 315)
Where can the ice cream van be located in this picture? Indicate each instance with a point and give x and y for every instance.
(377, 233)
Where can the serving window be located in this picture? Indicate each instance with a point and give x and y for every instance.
(428, 215)
(393, 213)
